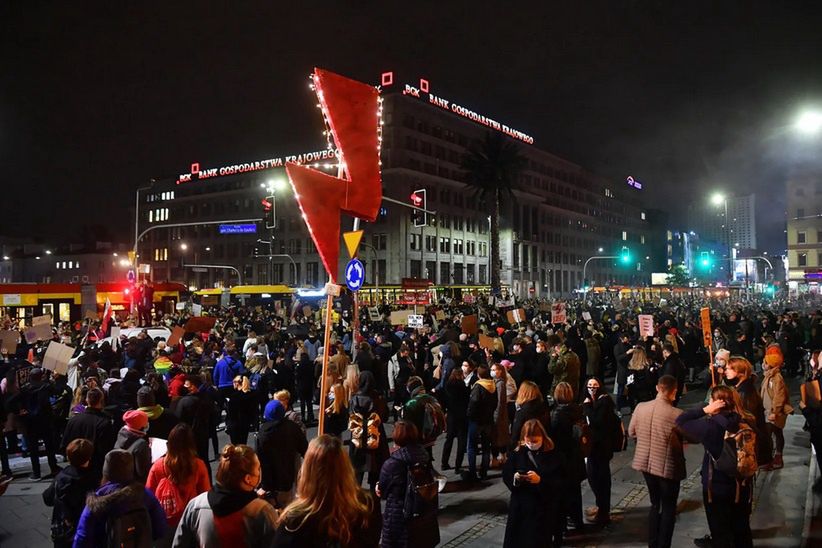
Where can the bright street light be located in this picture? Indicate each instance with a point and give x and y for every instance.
(183, 246)
(48, 252)
(809, 122)
(600, 250)
(718, 198)
(208, 249)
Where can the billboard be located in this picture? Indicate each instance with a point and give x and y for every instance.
(659, 278)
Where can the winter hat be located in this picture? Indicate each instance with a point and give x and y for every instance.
(724, 354)
(119, 466)
(274, 411)
(136, 420)
(773, 356)
(507, 364)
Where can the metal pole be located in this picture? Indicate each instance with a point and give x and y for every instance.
(585, 267)
(223, 266)
(287, 256)
(376, 268)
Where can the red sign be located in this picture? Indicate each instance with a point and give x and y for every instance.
(415, 298)
(415, 283)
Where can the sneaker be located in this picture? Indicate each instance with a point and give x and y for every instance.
(34, 477)
(703, 542)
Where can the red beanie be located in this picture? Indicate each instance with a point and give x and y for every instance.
(773, 356)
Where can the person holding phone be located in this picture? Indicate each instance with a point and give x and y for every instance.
(534, 473)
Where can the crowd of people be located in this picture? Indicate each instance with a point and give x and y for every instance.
(137, 420)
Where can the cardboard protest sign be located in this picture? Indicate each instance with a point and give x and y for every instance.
(41, 320)
(400, 317)
(440, 315)
(646, 325)
(469, 324)
(201, 324)
(176, 335)
(415, 320)
(558, 314)
(374, 314)
(811, 395)
(9, 340)
(159, 448)
(197, 310)
(486, 342)
(40, 332)
(515, 316)
(707, 336)
(57, 357)
(544, 307)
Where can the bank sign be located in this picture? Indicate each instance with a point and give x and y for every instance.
(238, 229)
(318, 159)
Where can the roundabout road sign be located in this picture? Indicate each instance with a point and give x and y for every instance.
(354, 274)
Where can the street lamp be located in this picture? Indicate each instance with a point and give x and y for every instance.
(183, 246)
(809, 122)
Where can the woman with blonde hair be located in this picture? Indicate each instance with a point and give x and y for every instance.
(533, 473)
(641, 376)
(530, 404)
(351, 382)
(233, 507)
(500, 436)
(241, 411)
(330, 509)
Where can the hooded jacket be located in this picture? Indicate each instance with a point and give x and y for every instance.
(278, 444)
(68, 493)
(483, 402)
(217, 519)
(112, 500)
(225, 371)
(136, 444)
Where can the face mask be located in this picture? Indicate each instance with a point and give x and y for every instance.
(540, 350)
(493, 374)
(592, 392)
(533, 446)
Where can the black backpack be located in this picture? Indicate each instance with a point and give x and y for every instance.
(131, 529)
(421, 490)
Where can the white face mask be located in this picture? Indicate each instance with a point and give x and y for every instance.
(592, 391)
(533, 446)
(540, 350)
(493, 374)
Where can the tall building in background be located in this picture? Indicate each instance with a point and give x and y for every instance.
(804, 201)
(738, 230)
(559, 216)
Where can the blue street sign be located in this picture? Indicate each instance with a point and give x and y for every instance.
(354, 274)
(130, 276)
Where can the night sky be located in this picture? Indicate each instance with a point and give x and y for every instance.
(688, 97)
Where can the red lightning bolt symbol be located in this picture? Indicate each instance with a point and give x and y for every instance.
(351, 110)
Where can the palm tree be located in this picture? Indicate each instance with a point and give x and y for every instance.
(492, 168)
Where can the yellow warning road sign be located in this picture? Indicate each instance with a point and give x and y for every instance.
(352, 242)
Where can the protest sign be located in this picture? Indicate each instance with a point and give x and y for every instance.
(57, 357)
(40, 332)
(177, 333)
(201, 324)
(400, 317)
(440, 315)
(9, 340)
(558, 314)
(415, 320)
(374, 314)
(707, 336)
(516, 316)
(45, 319)
(486, 342)
(646, 325)
(197, 310)
(469, 324)
(586, 316)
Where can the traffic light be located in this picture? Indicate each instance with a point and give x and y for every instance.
(419, 198)
(704, 260)
(625, 255)
(269, 212)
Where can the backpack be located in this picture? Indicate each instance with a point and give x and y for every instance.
(582, 435)
(170, 499)
(365, 434)
(433, 423)
(421, 490)
(738, 456)
(131, 529)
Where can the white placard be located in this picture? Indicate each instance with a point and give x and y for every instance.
(558, 313)
(45, 319)
(57, 357)
(646, 325)
(415, 320)
(159, 447)
(374, 314)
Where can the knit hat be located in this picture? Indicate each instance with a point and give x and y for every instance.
(723, 354)
(274, 411)
(773, 356)
(507, 364)
(119, 466)
(135, 420)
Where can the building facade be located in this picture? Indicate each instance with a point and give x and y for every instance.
(738, 231)
(804, 231)
(559, 218)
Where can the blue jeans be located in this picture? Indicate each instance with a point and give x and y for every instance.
(478, 434)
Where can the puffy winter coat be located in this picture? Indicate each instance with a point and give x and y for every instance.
(398, 532)
(109, 501)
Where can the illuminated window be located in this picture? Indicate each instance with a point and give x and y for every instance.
(64, 264)
(77, 264)
(71, 264)
(642, 239)
(151, 216)
(624, 235)
(58, 264)
(642, 215)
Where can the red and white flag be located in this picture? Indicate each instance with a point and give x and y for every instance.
(107, 312)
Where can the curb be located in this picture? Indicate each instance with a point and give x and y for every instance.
(809, 501)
